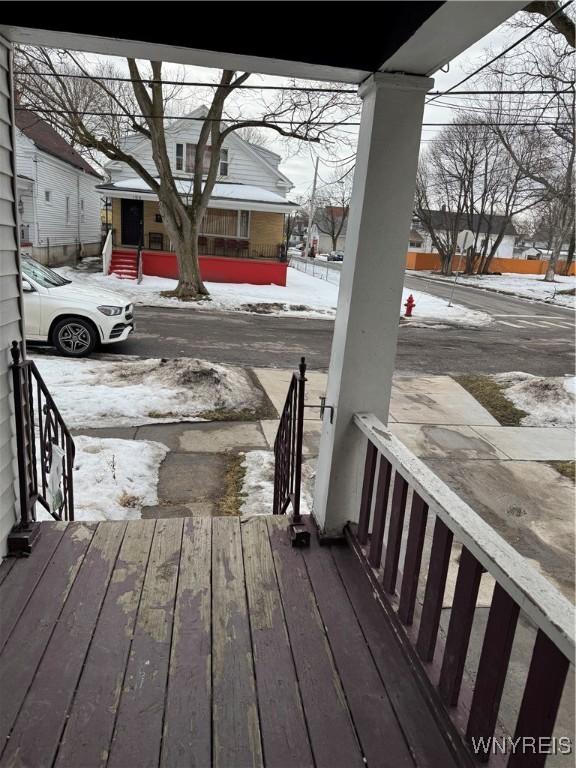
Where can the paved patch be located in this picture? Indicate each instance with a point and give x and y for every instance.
(221, 437)
(439, 441)
(435, 400)
(531, 443)
(275, 382)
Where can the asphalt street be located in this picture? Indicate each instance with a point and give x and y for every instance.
(524, 336)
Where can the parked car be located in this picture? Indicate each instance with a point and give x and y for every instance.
(293, 251)
(72, 317)
(336, 256)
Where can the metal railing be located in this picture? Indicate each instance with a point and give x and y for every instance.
(221, 246)
(288, 447)
(412, 588)
(324, 270)
(45, 447)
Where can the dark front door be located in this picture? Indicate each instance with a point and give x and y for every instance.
(132, 220)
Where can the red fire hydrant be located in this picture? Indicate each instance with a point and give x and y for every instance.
(410, 304)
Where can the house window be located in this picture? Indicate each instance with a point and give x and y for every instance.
(224, 162)
(82, 209)
(158, 218)
(47, 196)
(67, 209)
(186, 158)
(179, 157)
(244, 224)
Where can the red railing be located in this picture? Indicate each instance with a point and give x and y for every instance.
(409, 564)
(43, 443)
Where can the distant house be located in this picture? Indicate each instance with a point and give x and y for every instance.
(486, 227)
(247, 208)
(57, 198)
(331, 220)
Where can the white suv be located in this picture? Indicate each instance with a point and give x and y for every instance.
(72, 317)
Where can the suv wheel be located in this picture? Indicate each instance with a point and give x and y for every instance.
(74, 337)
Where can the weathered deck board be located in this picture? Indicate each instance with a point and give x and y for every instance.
(382, 740)
(188, 716)
(236, 731)
(422, 732)
(138, 732)
(332, 734)
(17, 589)
(281, 715)
(5, 567)
(40, 722)
(88, 733)
(26, 644)
(205, 642)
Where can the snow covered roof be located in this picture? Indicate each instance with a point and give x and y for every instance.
(227, 195)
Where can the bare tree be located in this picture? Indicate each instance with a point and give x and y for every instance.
(97, 113)
(333, 204)
(544, 63)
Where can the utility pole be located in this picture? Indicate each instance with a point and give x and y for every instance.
(311, 209)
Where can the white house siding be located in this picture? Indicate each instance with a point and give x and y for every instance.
(10, 318)
(55, 237)
(245, 165)
(505, 249)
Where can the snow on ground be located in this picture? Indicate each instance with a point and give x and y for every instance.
(548, 401)
(128, 391)
(258, 484)
(526, 286)
(304, 295)
(113, 479)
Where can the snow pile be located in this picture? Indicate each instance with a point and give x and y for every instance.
(525, 286)
(258, 484)
(113, 479)
(304, 295)
(129, 392)
(548, 401)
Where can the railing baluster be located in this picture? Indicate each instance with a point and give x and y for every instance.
(413, 559)
(492, 668)
(542, 694)
(461, 619)
(380, 506)
(394, 542)
(367, 491)
(434, 594)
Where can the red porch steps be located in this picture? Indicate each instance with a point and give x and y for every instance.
(124, 264)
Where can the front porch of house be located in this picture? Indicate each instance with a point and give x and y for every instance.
(204, 642)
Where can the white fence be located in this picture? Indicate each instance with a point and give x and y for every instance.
(107, 253)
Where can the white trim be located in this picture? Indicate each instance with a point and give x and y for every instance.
(215, 202)
(530, 590)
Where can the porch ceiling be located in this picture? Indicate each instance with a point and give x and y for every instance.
(417, 37)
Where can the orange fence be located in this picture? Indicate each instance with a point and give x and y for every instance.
(419, 260)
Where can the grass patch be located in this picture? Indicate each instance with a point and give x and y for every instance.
(565, 468)
(231, 501)
(491, 396)
(129, 500)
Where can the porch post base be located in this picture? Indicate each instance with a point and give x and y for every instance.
(21, 540)
(299, 533)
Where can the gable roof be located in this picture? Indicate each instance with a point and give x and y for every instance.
(50, 141)
(476, 222)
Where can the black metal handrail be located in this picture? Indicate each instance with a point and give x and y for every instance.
(288, 447)
(40, 426)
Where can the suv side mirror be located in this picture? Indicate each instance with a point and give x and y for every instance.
(26, 286)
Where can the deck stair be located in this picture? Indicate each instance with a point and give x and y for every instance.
(124, 263)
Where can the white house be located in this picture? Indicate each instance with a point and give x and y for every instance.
(486, 227)
(249, 200)
(57, 199)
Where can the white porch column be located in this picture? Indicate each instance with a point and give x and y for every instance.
(364, 344)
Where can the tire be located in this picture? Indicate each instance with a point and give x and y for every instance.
(74, 337)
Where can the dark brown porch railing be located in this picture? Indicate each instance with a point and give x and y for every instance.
(411, 586)
(39, 427)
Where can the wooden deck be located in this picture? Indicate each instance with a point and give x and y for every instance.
(202, 642)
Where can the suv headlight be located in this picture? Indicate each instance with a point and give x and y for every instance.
(107, 310)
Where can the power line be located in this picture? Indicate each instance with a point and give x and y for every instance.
(503, 53)
(299, 88)
(271, 123)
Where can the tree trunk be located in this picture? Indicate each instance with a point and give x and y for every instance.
(555, 255)
(183, 232)
(570, 254)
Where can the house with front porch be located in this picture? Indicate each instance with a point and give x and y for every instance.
(204, 641)
(245, 219)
